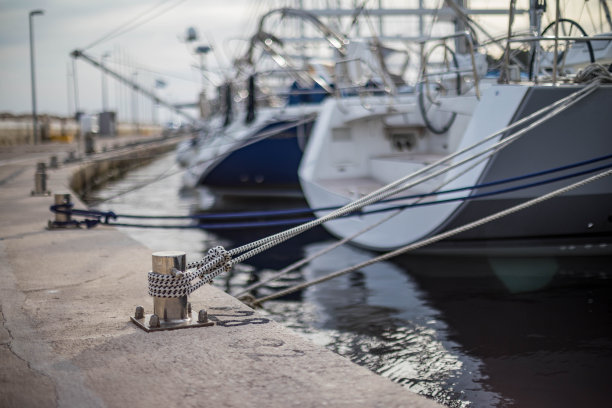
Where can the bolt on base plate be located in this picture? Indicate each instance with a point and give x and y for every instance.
(144, 323)
(176, 311)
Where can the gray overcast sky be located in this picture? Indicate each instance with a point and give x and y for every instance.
(70, 24)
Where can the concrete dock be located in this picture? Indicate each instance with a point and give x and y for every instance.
(66, 338)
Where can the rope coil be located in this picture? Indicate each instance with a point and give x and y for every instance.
(594, 72)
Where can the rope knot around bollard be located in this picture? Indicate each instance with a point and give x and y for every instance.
(170, 282)
(180, 283)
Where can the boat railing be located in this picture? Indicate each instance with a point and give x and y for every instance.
(560, 57)
(351, 78)
(281, 84)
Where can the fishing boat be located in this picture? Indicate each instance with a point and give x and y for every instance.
(473, 140)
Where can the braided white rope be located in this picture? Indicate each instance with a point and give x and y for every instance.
(219, 260)
(348, 238)
(402, 184)
(317, 254)
(436, 238)
(180, 283)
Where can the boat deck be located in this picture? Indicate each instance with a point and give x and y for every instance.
(384, 169)
(353, 187)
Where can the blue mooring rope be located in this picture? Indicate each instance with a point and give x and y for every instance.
(104, 217)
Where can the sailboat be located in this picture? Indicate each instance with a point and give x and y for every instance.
(475, 139)
(254, 145)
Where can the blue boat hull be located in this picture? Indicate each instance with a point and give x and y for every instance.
(265, 167)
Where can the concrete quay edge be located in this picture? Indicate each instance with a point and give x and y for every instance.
(66, 340)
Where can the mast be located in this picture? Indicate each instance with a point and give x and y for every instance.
(133, 84)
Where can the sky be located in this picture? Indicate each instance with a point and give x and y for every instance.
(155, 50)
(157, 46)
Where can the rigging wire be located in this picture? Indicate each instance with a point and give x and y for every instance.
(156, 71)
(134, 23)
(592, 20)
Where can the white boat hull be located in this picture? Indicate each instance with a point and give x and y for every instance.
(555, 143)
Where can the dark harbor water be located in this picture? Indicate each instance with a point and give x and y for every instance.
(465, 331)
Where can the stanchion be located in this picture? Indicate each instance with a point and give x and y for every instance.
(63, 219)
(72, 157)
(53, 163)
(40, 181)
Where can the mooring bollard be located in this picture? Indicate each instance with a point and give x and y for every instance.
(170, 309)
(40, 180)
(89, 144)
(169, 313)
(71, 157)
(62, 220)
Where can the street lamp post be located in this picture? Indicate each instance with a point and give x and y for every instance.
(104, 88)
(202, 50)
(135, 103)
(34, 116)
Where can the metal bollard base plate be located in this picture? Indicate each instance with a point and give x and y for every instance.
(143, 323)
(43, 194)
(53, 225)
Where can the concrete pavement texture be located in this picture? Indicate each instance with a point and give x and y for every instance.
(66, 338)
